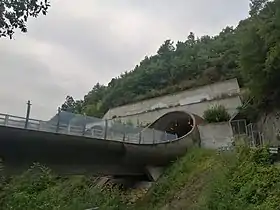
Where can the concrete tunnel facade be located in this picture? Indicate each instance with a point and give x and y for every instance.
(161, 154)
(65, 154)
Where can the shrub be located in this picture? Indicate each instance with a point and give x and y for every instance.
(217, 113)
(40, 189)
(251, 183)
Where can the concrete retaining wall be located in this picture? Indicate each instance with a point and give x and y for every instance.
(189, 98)
(216, 135)
(198, 109)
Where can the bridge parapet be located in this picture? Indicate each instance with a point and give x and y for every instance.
(78, 125)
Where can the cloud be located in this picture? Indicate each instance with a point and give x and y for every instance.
(41, 72)
(80, 43)
(26, 78)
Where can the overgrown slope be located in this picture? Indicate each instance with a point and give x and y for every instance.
(204, 180)
(201, 180)
(39, 189)
(183, 184)
(175, 67)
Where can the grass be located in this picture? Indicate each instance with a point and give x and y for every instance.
(205, 180)
(201, 180)
(39, 189)
(251, 183)
(183, 182)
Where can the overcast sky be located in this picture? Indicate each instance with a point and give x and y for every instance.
(80, 43)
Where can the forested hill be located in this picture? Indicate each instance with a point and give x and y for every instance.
(250, 52)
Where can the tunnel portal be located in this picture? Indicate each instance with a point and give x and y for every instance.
(179, 123)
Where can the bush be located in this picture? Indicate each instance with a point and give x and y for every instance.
(40, 189)
(251, 183)
(217, 113)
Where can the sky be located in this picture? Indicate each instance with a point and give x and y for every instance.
(80, 43)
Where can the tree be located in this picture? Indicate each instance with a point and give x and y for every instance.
(69, 105)
(211, 75)
(14, 14)
(249, 52)
(260, 53)
(256, 6)
(166, 48)
(95, 95)
(191, 39)
(94, 109)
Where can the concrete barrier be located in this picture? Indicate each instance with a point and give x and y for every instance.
(216, 135)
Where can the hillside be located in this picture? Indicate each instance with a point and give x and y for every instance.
(201, 180)
(206, 180)
(249, 52)
(175, 67)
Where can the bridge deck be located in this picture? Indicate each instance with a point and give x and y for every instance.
(71, 149)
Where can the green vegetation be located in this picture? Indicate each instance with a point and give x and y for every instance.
(217, 113)
(14, 14)
(205, 180)
(38, 189)
(249, 52)
(251, 183)
(183, 184)
(191, 63)
(260, 52)
(250, 108)
(201, 180)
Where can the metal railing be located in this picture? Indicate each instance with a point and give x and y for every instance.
(91, 127)
(239, 127)
(255, 137)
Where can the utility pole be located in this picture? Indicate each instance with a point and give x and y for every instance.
(27, 114)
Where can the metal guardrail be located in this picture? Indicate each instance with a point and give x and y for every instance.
(256, 137)
(148, 136)
(241, 128)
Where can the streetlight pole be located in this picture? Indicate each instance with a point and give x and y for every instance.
(27, 114)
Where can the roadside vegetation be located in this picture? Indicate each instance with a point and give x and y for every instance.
(215, 114)
(40, 189)
(201, 180)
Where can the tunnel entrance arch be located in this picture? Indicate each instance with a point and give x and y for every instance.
(179, 123)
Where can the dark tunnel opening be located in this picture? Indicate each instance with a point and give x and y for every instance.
(177, 123)
(180, 127)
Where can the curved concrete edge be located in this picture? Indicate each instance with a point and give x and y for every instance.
(80, 155)
(163, 153)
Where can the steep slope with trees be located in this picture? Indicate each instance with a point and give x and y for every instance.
(202, 179)
(174, 68)
(260, 52)
(249, 52)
